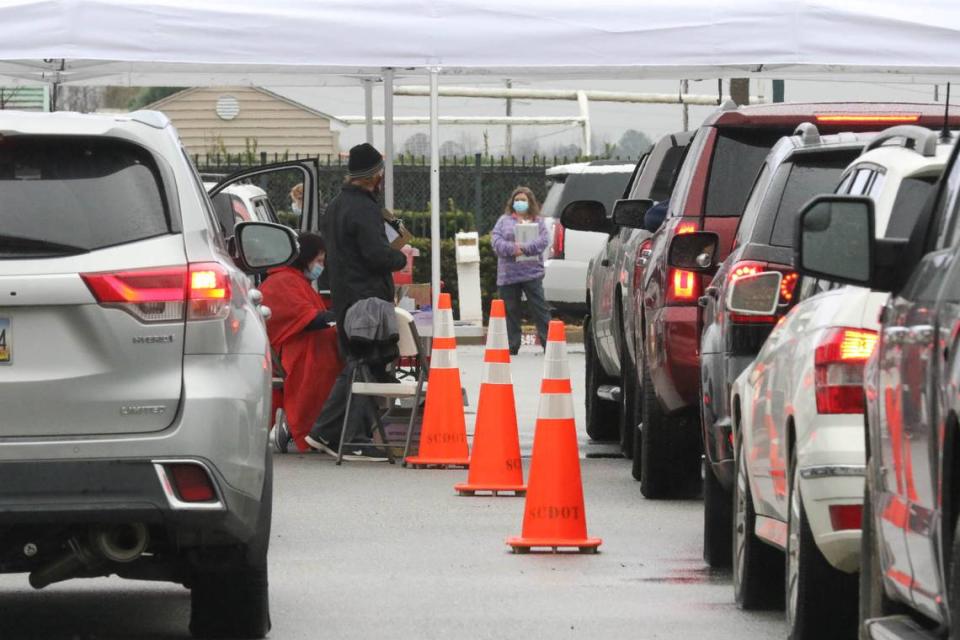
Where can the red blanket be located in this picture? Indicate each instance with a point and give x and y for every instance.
(310, 358)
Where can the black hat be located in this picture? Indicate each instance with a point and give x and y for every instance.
(365, 161)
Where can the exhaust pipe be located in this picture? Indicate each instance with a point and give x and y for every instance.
(121, 543)
(116, 544)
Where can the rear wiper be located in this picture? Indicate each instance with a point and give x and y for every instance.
(21, 244)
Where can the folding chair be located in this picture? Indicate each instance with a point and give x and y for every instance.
(414, 358)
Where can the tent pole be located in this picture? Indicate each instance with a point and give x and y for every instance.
(368, 107)
(435, 190)
(388, 138)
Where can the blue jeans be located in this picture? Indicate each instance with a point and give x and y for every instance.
(536, 304)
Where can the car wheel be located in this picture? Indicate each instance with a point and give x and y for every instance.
(757, 567)
(717, 521)
(602, 419)
(821, 601)
(669, 449)
(628, 392)
(229, 597)
(637, 466)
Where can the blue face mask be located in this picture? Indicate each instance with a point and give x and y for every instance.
(314, 272)
(521, 206)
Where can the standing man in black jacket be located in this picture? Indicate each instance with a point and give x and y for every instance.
(361, 262)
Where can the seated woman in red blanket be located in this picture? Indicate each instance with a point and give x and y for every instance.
(303, 333)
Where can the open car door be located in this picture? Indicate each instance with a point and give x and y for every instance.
(231, 196)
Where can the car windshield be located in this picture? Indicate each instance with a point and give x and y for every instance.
(78, 192)
(808, 176)
(737, 157)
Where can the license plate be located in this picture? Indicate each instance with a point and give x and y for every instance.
(6, 341)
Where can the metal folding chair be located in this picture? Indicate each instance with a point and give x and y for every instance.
(411, 383)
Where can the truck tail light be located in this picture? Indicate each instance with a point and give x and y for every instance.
(558, 237)
(643, 257)
(199, 291)
(838, 365)
(844, 517)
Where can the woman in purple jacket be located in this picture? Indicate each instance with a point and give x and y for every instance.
(520, 264)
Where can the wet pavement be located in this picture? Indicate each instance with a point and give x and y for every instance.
(372, 550)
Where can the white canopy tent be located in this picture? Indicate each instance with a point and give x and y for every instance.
(304, 43)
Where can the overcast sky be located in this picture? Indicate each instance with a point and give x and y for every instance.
(608, 120)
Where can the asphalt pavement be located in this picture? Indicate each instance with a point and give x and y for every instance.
(373, 550)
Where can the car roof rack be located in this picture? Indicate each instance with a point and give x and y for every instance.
(919, 139)
(808, 133)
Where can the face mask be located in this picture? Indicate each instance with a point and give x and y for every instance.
(297, 209)
(314, 272)
(521, 206)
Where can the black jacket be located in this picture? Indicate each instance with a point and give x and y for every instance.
(359, 258)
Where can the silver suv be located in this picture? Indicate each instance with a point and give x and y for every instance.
(134, 367)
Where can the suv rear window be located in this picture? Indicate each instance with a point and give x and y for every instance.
(807, 178)
(81, 192)
(603, 187)
(906, 208)
(737, 156)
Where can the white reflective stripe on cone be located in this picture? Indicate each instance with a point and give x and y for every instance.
(496, 373)
(445, 324)
(555, 406)
(443, 359)
(556, 368)
(497, 334)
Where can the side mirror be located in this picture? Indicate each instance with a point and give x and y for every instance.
(757, 294)
(695, 251)
(585, 215)
(835, 239)
(630, 213)
(263, 245)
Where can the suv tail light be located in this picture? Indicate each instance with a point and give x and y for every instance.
(199, 291)
(838, 364)
(752, 267)
(558, 236)
(683, 286)
(209, 292)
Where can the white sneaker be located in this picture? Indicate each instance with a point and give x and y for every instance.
(321, 445)
(364, 454)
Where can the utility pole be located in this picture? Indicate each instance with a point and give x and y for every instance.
(508, 142)
(684, 89)
(740, 90)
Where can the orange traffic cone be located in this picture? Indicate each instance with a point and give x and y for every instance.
(553, 515)
(443, 436)
(495, 461)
